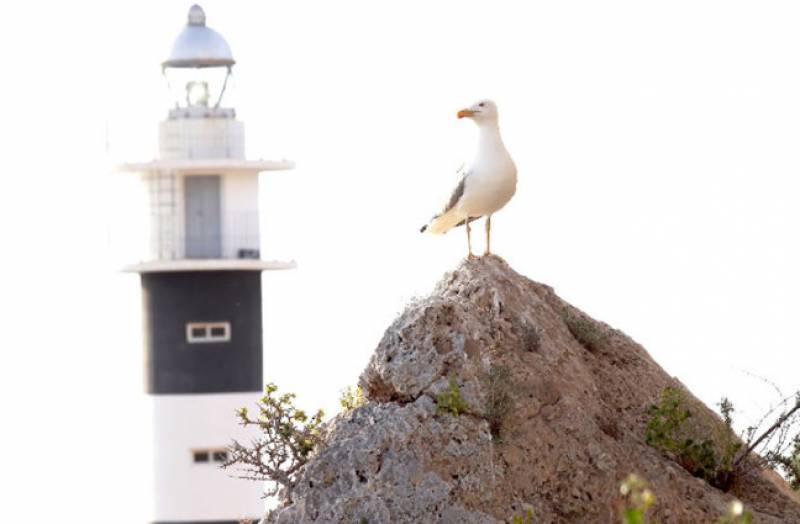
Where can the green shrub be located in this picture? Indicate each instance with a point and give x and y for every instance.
(790, 464)
(718, 454)
(584, 330)
(288, 436)
(450, 400)
(352, 398)
(728, 442)
(497, 405)
(525, 518)
(793, 466)
(670, 429)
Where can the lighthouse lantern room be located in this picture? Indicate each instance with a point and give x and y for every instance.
(201, 284)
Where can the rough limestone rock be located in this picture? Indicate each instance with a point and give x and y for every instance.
(553, 423)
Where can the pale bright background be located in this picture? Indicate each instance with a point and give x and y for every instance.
(658, 190)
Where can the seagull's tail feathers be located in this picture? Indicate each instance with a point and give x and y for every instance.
(443, 223)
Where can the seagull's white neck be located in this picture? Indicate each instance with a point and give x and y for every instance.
(489, 138)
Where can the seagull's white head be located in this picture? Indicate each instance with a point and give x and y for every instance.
(482, 111)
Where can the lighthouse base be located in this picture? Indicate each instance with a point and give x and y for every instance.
(192, 434)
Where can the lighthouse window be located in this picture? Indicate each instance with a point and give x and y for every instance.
(205, 456)
(199, 332)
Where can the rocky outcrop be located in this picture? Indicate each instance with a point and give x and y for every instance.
(553, 420)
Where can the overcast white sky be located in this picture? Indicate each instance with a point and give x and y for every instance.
(658, 186)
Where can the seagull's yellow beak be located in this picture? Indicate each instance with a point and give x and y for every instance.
(465, 113)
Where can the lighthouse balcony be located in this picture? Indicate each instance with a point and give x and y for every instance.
(200, 240)
(205, 245)
(193, 215)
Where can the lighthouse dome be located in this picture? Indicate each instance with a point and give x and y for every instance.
(198, 45)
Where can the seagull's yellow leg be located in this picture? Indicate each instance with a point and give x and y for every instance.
(470, 256)
(488, 235)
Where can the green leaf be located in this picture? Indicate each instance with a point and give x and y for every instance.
(633, 516)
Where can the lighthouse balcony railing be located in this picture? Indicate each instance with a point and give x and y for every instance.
(205, 246)
(204, 236)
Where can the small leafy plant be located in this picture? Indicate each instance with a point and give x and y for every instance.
(525, 518)
(669, 429)
(584, 330)
(736, 514)
(729, 443)
(792, 465)
(288, 436)
(718, 454)
(637, 500)
(450, 400)
(497, 405)
(352, 398)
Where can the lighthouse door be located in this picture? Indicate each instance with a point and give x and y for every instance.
(203, 221)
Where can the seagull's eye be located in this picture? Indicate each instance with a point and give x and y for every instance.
(481, 104)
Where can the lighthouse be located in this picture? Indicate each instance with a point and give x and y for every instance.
(201, 285)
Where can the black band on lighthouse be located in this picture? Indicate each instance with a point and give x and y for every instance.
(212, 303)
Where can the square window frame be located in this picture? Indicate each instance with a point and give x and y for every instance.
(209, 453)
(198, 452)
(207, 328)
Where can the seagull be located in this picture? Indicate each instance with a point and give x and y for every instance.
(486, 185)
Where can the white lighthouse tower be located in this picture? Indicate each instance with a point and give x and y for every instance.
(201, 286)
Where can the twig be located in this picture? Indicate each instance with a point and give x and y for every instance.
(778, 423)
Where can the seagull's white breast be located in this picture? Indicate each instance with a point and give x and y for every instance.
(492, 179)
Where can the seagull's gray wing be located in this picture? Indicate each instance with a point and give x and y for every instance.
(456, 196)
(458, 192)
